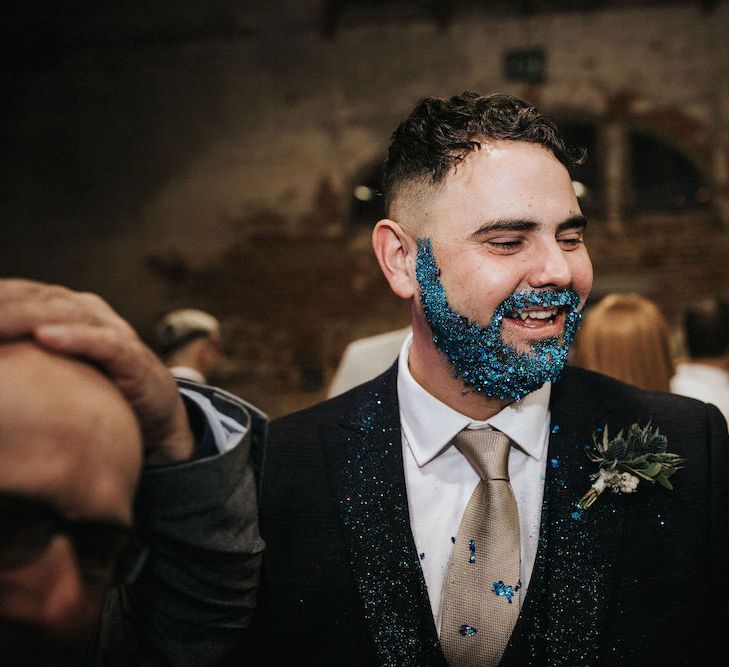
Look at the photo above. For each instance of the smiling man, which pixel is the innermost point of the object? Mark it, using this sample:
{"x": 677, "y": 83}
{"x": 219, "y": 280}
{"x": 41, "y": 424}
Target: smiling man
{"x": 435, "y": 515}
{"x": 507, "y": 231}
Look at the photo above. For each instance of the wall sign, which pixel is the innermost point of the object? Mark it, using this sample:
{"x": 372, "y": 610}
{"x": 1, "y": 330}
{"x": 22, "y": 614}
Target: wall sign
{"x": 528, "y": 65}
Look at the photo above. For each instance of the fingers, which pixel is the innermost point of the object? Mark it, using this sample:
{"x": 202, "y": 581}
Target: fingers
{"x": 25, "y": 305}
{"x": 120, "y": 353}
{"x": 144, "y": 381}
{"x": 84, "y": 325}
{"x": 130, "y": 364}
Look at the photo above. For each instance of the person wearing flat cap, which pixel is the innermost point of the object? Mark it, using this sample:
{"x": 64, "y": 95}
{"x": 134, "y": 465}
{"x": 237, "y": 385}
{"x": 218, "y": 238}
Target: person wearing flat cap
{"x": 189, "y": 343}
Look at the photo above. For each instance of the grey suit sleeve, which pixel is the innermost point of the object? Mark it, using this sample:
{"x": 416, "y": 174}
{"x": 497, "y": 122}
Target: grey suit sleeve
{"x": 197, "y": 592}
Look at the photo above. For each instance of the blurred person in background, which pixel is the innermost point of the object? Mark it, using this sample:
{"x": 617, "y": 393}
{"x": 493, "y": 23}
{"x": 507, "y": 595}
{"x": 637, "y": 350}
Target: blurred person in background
{"x": 705, "y": 375}
{"x": 365, "y": 358}
{"x": 189, "y": 342}
{"x": 626, "y": 337}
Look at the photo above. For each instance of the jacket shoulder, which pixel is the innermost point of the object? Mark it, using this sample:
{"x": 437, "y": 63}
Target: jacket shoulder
{"x": 330, "y": 412}
{"x": 579, "y": 389}
{"x": 584, "y": 385}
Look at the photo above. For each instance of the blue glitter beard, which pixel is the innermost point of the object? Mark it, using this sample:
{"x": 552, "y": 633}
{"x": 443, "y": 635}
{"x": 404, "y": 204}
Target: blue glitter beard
{"x": 478, "y": 354}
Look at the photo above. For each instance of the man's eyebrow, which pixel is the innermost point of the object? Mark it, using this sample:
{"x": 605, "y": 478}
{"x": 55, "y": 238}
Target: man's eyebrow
{"x": 575, "y": 222}
{"x": 518, "y": 225}
{"x": 505, "y": 226}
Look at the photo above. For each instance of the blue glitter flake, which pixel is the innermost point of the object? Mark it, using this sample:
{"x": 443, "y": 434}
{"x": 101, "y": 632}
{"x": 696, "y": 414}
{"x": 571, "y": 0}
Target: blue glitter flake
{"x": 555, "y": 462}
{"x": 472, "y": 551}
{"x": 555, "y": 428}
{"x": 478, "y": 353}
{"x": 467, "y": 631}
{"x": 502, "y": 590}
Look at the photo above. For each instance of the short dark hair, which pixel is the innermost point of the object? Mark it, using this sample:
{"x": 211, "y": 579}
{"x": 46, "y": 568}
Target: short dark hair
{"x": 707, "y": 328}
{"x": 440, "y": 132}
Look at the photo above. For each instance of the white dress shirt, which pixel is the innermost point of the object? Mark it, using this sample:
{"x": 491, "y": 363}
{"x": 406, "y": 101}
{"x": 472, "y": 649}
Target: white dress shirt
{"x": 704, "y": 382}
{"x": 225, "y": 430}
{"x": 440, "y": 481}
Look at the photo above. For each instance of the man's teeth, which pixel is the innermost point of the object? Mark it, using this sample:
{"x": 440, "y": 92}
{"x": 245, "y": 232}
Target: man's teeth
{"x": 535, "y": 314}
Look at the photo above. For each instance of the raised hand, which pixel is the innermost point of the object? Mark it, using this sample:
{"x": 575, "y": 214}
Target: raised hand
{"x": 84, "y": 325}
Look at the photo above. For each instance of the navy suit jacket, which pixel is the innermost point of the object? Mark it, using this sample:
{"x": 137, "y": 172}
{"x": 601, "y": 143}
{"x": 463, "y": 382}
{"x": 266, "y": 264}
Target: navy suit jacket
{"x": 637, "y": 578}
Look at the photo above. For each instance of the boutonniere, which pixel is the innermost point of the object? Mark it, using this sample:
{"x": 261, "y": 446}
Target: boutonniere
{"x": 627, "y": 458}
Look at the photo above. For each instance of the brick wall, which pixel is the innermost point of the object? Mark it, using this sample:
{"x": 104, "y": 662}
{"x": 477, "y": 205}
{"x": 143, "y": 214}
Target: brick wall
{"x": 168, "y": 156}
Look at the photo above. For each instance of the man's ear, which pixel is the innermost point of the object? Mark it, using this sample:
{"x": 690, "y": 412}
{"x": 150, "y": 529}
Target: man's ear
{"x": 395, "y": 252}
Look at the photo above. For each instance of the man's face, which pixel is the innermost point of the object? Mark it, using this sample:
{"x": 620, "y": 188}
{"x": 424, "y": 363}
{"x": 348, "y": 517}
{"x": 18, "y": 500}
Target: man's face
{"x": 69, "y": 445}
{"x": 508, "y": 222}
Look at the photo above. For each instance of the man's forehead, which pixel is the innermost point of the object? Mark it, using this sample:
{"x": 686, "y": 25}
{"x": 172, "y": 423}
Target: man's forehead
{"x": 64, "y": 473}
{"x": 68, "y": 435}
{"x": 482, "y": 200}
{"x": 488, "y": 155}
{"x": 492, "y": 156}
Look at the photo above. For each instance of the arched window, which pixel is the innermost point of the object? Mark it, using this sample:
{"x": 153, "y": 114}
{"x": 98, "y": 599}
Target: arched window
{"x": 663, "y": 178}
{"x": 654, "y": 175}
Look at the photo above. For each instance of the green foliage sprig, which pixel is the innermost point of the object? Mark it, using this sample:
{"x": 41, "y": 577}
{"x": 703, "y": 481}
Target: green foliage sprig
{"x": 639, "y": 454}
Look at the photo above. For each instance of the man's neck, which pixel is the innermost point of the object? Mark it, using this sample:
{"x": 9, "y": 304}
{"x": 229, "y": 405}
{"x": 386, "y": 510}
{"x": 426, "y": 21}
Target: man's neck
{"x": 431, "y": 370}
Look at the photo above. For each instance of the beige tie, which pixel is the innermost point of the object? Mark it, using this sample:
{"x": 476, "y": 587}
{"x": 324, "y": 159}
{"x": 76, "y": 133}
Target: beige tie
{"x": 481, "y": 596}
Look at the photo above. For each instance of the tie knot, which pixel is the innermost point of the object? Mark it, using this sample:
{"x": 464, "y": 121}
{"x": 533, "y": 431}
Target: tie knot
{"x": 487, "y": 451}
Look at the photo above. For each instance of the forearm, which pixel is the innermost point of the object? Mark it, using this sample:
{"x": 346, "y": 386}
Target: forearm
{"x": 197, "y": 592}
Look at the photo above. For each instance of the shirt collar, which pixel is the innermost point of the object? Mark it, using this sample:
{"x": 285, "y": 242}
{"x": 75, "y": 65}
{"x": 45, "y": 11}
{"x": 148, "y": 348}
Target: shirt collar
{"x": 429, "y": 424}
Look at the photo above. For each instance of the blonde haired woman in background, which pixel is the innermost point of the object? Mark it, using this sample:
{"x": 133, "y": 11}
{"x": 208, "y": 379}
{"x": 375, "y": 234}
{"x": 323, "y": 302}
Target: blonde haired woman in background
{"x": 626, "y": 336}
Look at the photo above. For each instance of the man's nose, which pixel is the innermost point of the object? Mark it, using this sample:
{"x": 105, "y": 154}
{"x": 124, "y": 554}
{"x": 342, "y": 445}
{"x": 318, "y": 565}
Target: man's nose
{"x": 63, "y": 597}
{"x": 48, "y": 593}
{"x": 551, "y": 267}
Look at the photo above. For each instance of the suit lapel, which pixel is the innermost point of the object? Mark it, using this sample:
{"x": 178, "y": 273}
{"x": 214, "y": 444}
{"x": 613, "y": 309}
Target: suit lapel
{"x": 567, "y": 600}
{"x": 367, "y": 475}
